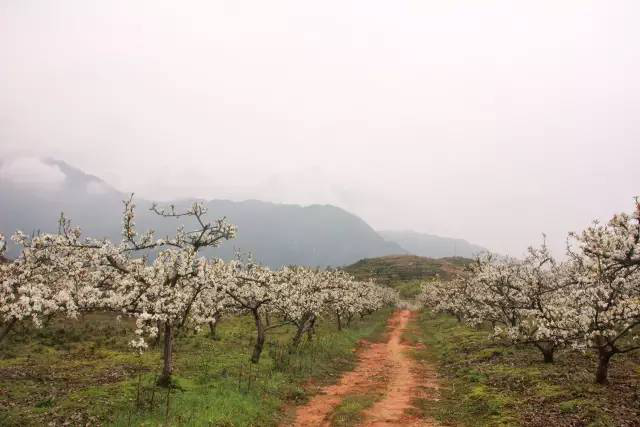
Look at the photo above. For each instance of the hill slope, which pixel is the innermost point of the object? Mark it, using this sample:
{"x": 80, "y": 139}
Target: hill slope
{"x": 392, "y": 268}
{"x": 428, "y": 245}
{"x": 33, "y": 194}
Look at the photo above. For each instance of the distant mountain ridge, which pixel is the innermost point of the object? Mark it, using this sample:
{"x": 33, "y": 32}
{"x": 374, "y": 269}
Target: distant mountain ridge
{"x": 276, "y": 234}
{"x": 428, "y": 245}
{"x": 34, "y": 191}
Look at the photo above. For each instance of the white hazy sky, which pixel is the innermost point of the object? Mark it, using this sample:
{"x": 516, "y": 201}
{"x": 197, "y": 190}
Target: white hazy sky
{"x": 494, "y": 121}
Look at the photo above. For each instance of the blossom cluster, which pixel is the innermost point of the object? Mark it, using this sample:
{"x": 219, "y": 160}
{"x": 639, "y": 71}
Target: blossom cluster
{"x": 589, "y": 301}
{"x": 165, "y": 283}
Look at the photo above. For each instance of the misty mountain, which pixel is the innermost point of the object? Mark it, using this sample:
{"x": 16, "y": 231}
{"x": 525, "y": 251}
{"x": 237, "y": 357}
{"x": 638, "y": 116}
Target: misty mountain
{"x": 34, "y": 192}
{"x": 427, "y": 245}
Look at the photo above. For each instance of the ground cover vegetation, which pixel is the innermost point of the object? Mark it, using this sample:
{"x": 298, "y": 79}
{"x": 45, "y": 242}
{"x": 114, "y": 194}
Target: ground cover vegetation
{"x": 108, "y": 310}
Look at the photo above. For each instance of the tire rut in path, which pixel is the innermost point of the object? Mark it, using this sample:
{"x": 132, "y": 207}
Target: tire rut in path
{"x": 383, "y": 367}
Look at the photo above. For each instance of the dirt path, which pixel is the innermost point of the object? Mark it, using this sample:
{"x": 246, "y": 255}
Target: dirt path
{"x": 383, "y": 367}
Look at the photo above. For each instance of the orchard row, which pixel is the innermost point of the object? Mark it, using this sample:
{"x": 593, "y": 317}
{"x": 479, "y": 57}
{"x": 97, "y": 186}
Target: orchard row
{"x": 168, "y": 286}
{"x": 590, "y": 301}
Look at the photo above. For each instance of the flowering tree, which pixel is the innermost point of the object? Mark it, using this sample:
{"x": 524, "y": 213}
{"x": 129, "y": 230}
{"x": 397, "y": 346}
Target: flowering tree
{"x": 166, "y": 290}
{"x": 253, "y": 288}
{"x": 54, "y": 273}
{"x": 537, "y": 302}
{"x": 341, "y": 297}
{"x": 348, "y": 297}
{"x": 299, "y": 296}
{"x": 592, "y": 301}
{"x": 214, "y": 302}
{"x": 604, "y": 307}
{"x": 618, "y": 241}
{"x": 520, "y": 299}
{"x": 371, "y": 297}
{"x": 302, "y": 299}
{"x": 451, "y": 297}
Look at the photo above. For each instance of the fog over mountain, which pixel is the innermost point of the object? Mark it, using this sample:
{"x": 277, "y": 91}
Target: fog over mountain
{"x": 494, "y": 121}
{"x": 34, "y": 191}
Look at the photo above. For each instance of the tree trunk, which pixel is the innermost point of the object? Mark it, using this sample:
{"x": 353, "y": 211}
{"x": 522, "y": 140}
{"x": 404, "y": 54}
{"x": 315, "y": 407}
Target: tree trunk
{"x": 339, "y": 321}
{"x": 547, "y": 351}
{"x": 295, "y": 342}
{"x": 311, "y": 329}
{"x": 156, "y": 343}
{"x": 213, "y": 330}
{"x": 7, "y": 329}
{"x": 602, "y": 374}
{"x": 167, "y": 369}
{"x": 257, "y": 349}
{"x": 304, "y": 326}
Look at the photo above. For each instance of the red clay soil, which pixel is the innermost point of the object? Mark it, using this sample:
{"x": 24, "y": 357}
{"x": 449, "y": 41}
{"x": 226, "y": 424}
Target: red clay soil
{"x": 382, "y": 367}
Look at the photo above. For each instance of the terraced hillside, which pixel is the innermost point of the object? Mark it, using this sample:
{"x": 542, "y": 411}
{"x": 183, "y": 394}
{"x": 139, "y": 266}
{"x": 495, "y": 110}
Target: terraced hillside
{"x": 394, "y": 268}
{"x": 406, "y": 273}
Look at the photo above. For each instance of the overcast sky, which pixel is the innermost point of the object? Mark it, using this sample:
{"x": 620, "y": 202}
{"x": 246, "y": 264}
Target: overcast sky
{"x": 494, "y": 121}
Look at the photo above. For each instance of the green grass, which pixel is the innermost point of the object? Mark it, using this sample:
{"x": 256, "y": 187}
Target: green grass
{"x": 350, "y": 411}
{"x": 486, "y": 384}
{"x": 84, "y": 373}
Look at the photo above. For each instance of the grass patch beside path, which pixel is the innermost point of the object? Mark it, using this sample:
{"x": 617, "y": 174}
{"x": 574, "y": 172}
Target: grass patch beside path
{"x": 486, "y": 384}
{"x": 350, "y": 411}
{"x": 83, "y": 373}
